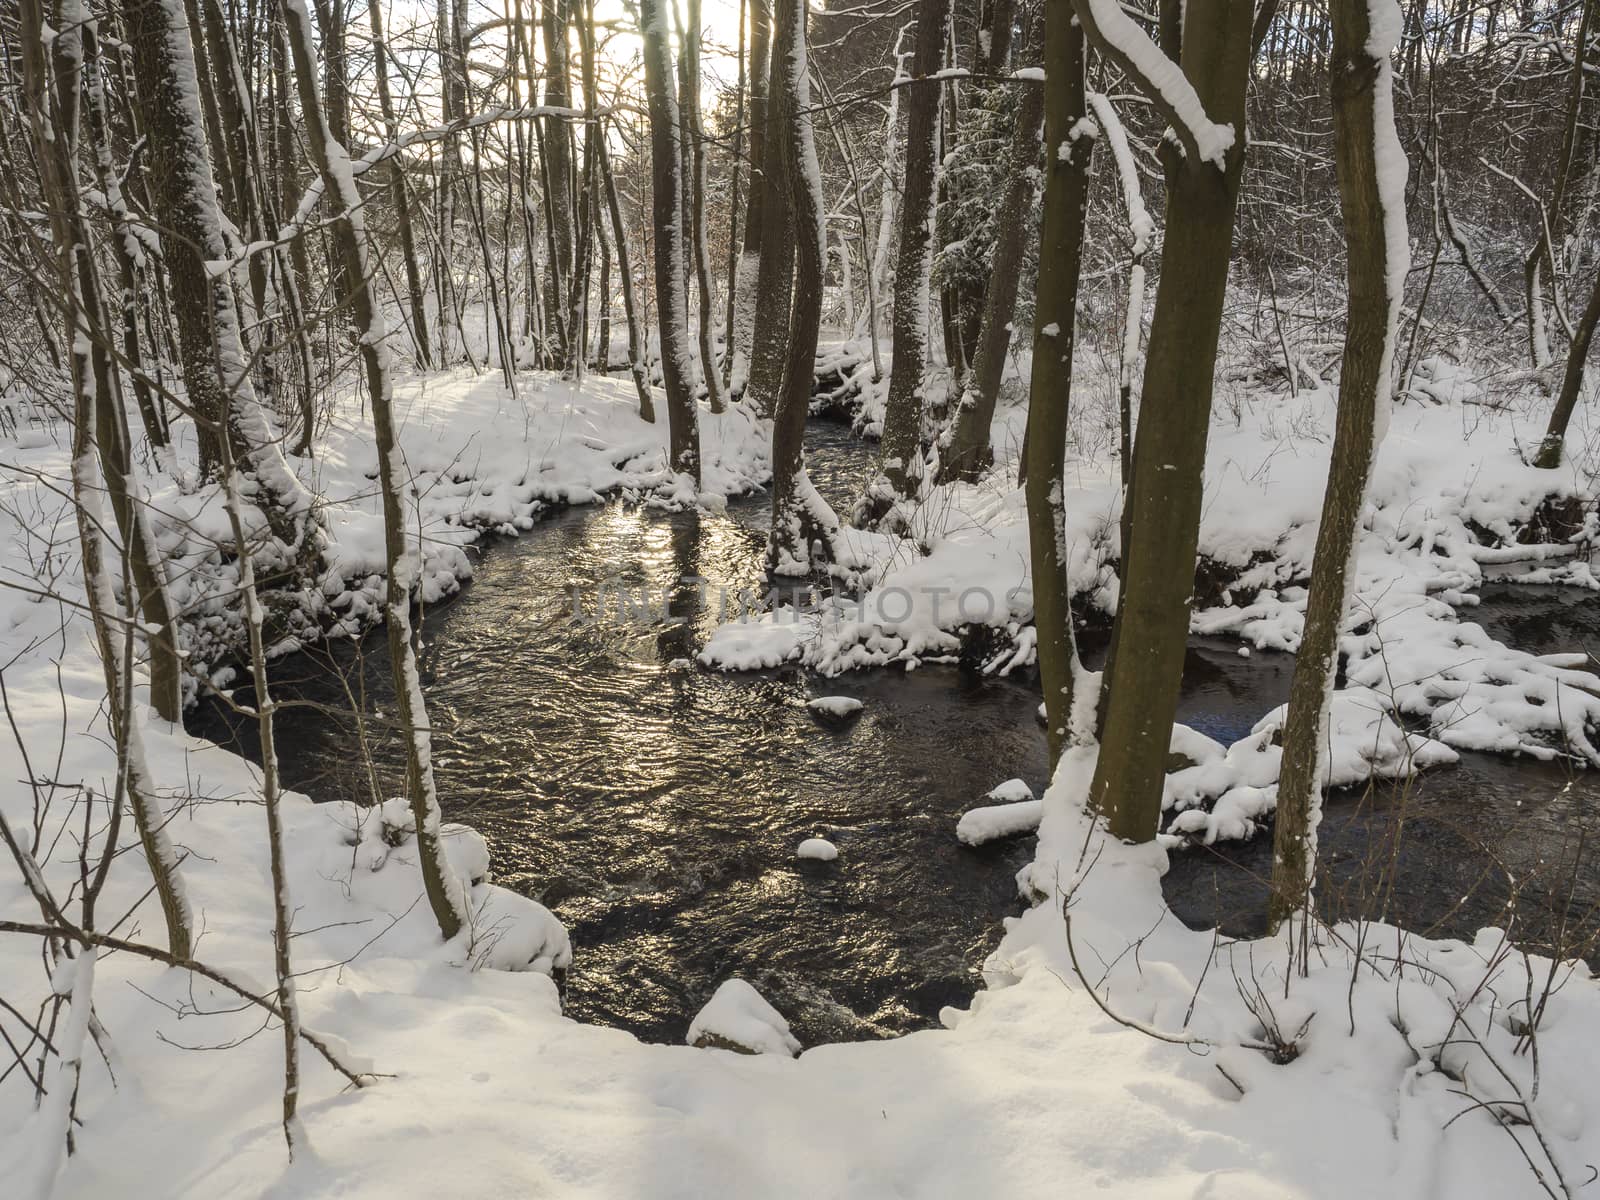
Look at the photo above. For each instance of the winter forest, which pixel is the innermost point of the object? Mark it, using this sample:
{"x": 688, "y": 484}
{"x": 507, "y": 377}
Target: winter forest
{"x": 816, "y": 598}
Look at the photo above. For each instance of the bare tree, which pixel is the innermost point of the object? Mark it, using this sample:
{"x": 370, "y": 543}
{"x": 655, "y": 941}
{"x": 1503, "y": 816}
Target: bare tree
{"x": 1372, "y": 180}
{"x": 446, "y": 894}
{"x": 900, "y": 470}
{"x": 672, "y": 299}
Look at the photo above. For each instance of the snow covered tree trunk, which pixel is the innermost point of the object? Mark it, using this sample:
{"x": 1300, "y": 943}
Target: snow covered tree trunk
{"x": 1054, "y": 335}
{"x": 695, "y": 131}
{"x": 215, "y": 366}
{"x": 1571, "y": 383}
{"x": 880, "y": 276}
{"x": 126, "y": 250}
{"x": 638, "y": 363}
{"x": 128, "y": 501}
{"x": 397, "y": 192}
{"x": 53, "y": 120}
{"x": 1372, "y": 182}
{"x": 968, "y": 453}
{"x": 900, "y": 469}
{"x": 446, "y": 894}
{"x": 1198, "y": 84}
{"x": 555, "y": 17}
{"x": 672, "y": 297}
{"x": 799, "y": 514}
{"x": 741, "y": 333}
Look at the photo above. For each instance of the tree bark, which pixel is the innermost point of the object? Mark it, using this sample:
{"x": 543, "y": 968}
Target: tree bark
{"x": 555, "y": 16}
{"x": 215, "y": 366}
{"x": 446, "y": 894}
{"x": 638, "y": 362}
{"x": 759, "y": 192}
{"x": 799, "y": 514}
{"x": 54, "y": 122}
{"x": 900, "y": 469}
{"x": 1372, "y": 200}
{"x": 969, "y": 453}
{"x": 397, "y": 193}
{"x": 1550, "y": 450}
{"x": 672, "y": 300}
{"x": 1050, "y": 387}
{"x": 1164, "y": 491}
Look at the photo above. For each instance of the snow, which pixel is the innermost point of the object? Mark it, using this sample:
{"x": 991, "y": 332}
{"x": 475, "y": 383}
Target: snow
{"x": 991, "y": 821}
{"x": 1448, "y": 498}
{"x": 820, "y": 849}
{"x": 738, "y": 1018}
{"x": 834, "y": 706}
{"x": 1162, "y": 78}
{"x": 1011, "y": 791}
{"x": 1404, "y": 1049}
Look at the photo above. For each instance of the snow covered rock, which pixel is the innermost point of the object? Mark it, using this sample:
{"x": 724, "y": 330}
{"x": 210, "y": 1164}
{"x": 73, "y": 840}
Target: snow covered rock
{"x": 1014, "y": 812}
{"x": 467, "y": 851}
{"x": 835, "y": 707}
{"x": 820, "y": 849}
{"x": 738, "y": 1018}
{"x": 991, "y": 821}
{"x": 511, "y": 932}
{"x": 1012, "y": 791}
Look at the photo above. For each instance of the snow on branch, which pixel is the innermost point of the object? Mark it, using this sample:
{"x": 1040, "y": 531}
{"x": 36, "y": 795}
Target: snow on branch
{"x": 1118, "y": 37}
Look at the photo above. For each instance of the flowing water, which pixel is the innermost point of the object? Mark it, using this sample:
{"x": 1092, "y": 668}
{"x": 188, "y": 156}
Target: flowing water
{"x": 656, "y": 808}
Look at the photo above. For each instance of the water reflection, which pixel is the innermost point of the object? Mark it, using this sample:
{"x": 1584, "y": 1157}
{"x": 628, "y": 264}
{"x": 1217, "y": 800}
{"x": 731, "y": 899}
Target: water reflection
{"x": 656, "y": 809}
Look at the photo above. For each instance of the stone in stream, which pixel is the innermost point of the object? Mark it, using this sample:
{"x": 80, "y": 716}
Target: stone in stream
{"x": 737, "y": 1018}
{"x": 834, "y": 709}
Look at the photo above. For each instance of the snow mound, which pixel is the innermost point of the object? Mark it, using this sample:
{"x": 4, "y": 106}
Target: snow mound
{"x": 820, "y": 849}
{"x": 835, "y": 706}
{"x": 1012, "y": 791}
{"x": 738, "y": 1018}
{"x": 511, "y": 932}
{"x": 467, "y": 851}
{"x": 991, "y": 821}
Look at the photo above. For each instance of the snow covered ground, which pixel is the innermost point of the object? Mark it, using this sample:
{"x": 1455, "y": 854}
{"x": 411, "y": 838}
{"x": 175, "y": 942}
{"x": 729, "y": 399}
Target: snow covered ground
{"x": 1408, "y": 1068}
{"x": 1452, "y": 504}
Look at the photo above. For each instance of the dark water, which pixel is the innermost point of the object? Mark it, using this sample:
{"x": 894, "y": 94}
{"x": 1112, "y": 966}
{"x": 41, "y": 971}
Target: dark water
{"x": 1491, "y": 840}
{"x": 656, "y": 809}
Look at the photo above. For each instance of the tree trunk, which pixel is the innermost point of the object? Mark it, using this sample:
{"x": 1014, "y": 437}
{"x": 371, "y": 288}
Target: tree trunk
{"x": 969, "y": 454}
{"x": 397, "y": 193}
{"x": 555, "y": 17}
{"x": 672, "y": 299}
{"x": 446, "y": 895}
{"x": 799, "y": 514}
{"x": 216, "y": 368}
{"x": 1050, "y": 387}
{"x": 774, "y": 274}
{"x": 1577, "y": 356}
{"x": 54, "y": 122}
{"x": 741, "y": 335}
{"x": 1371, "y": 169}
{"x": 638, "y": 362}
{"x": 900, "y": 471}
{"x": 695, "y": 131}
{"x": 1548, "y": 245}
{"x": 1164, "y": 491}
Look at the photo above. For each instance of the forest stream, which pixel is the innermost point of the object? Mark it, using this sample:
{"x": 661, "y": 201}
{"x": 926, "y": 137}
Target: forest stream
{"x": 656, "y": 807}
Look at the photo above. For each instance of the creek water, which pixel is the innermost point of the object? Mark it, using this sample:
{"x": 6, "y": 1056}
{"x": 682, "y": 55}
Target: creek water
{"x": 656, "y": 808}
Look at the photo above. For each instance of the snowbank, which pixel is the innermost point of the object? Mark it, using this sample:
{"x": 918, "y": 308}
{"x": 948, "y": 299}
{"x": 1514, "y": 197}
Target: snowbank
{"x": 1452, "y": 505}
